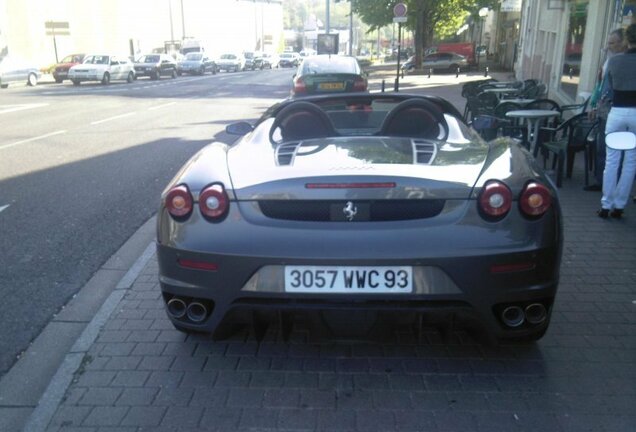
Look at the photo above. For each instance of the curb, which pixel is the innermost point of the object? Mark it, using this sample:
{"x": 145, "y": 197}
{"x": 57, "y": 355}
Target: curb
{"x": 32, "y": 389}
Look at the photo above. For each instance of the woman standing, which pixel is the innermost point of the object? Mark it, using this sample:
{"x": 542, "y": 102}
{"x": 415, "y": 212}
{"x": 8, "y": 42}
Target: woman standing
{"x": 622, "y": 117}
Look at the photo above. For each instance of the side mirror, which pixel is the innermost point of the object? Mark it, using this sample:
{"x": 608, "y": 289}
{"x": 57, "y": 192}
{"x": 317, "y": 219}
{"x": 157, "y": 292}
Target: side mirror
{"x": 239, "y": 128}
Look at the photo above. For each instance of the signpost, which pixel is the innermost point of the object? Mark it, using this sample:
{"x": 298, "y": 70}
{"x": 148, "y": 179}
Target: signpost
{"x": 399, "y": 16}
{"x": 56, "y": 28}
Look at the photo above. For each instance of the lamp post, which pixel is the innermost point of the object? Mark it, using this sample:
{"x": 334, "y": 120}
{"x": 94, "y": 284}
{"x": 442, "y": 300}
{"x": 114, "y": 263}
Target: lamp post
{"x": 483, "y": 13}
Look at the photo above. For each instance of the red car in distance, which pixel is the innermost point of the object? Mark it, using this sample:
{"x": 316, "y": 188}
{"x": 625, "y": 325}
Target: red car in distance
{"x": 60, "y": 71}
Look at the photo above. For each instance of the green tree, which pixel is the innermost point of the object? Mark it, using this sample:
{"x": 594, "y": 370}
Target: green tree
{"x": 427, "y": 18}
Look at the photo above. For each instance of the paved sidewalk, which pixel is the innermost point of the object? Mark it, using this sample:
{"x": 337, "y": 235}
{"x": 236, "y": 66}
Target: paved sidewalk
{"x": 131, "y": 371}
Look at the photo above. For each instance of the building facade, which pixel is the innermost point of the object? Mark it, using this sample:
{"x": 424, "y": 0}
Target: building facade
{"x": 41, "y": 30}
{"x": 562, "y": 42}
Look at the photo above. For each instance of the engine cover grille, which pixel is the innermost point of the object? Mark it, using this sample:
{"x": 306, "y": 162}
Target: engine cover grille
{"x": 352, "y": 211}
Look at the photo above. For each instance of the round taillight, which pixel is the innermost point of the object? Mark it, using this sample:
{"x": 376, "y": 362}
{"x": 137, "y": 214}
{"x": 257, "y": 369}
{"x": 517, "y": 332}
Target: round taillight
{"x": 535, "y": 199}
{"x": 179, "y": 201}
{"x": 299, "y": 86}
{"x": 213, "y": 201}
{"x": 495, "y": 199}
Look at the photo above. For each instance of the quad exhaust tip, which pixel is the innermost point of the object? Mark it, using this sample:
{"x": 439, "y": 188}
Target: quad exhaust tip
{"x": 513, "y": 316}
{"x": 536, "y": 313}
{"x": 177, "y": 308}
{"x": 196, "y": 312}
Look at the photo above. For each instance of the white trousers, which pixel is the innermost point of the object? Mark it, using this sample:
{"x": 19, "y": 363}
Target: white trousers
{"x": 616, "y": 189}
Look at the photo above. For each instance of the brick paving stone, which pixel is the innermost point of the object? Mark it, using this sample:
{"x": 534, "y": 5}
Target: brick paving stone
{"x": 254, "y": 418}
{"x": 297, "y": 419}
{"x": 143, "y": 416}
{"x": 165, "y": 379}
{"x": 353, "y": 400}
{"x": 406, "y": 382}
{"x": 442, "y": 382}
{"x": 310, "y": 398}
{"x": 395, "y": 400}
{"x": 245, "y": 397}
{"x": 71, "y": 416}
{"x": 341, "y": 420}
{"x": 117, "y": 349}
{"x": 415, "y": 421}
{"x": 375, "y": 420}
{"x": 179, "y": 397}
{"x": 143, "y": 396}
{"x": 131, "y": 378}
{"x": 100, "y": 396}
{"x": 105, "y": 416}
{"x": 272, "y": 379}
{"x": 180, "y": 417}
{"x": 283, "y": 398}
{"x": 198, "y": 379}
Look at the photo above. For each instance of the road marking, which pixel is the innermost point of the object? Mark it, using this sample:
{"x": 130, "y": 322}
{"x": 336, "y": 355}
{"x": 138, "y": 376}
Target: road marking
{"x": 19, "y": 107}
{"x": 113, "y": 118}
{"x": 32, "y": 139}
{"x": 4, "y": 207}
{"x": 161, "y": 106}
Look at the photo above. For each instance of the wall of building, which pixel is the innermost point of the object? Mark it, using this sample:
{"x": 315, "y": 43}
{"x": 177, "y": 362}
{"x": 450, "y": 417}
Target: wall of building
{"x": 548, "y": 47}
{"x": 115, "y": 25}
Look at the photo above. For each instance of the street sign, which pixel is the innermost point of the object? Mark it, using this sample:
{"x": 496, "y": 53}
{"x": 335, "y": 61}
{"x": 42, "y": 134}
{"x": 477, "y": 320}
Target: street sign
{"x": 401, "y": 19}
{"x": 399, "y": 10}
{"x": 57, "y": 28}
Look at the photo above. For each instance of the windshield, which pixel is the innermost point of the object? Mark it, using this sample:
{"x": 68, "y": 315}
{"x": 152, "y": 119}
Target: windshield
{"x": 228, "y": 57}
{"x": 149, "y": 59}
{"x": 193, "y": 56}
{"x": 96, "y": 59}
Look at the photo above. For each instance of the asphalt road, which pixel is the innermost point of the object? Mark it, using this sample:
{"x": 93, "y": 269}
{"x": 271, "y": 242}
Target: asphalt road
{"x": 82, "y": 168}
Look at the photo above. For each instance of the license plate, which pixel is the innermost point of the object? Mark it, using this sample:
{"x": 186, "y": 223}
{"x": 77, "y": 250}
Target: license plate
{"x": 331, "y": 86}
{"x": 350, "y": 279}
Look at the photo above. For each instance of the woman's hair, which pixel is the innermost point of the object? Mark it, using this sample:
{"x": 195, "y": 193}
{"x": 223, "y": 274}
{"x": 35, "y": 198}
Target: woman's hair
{"x": 619, "y": 33}
{"x": 630, "y": 33}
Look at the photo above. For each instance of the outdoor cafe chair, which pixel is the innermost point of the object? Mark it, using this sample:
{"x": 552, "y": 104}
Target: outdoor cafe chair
{"x": 490, "y": 127}
{"x": 564, "y": 141}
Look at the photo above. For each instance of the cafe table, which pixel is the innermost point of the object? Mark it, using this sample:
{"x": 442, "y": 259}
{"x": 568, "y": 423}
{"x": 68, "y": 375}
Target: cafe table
{"x": 533, "y": 118}
{"x": 502, "y": 91}
{"x": 519, "y": 101}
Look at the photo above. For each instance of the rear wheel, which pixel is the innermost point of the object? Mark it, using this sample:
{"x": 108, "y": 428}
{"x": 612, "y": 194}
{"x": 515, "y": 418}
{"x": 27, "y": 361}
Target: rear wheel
{"x": 131, "y": 77}
{"x": 76, "y": 82}
{"x": 173, "y": 74}
{"x": 106, "y": 78}
{"x": 32, "y": 80}
{"x": 59, "y": 80}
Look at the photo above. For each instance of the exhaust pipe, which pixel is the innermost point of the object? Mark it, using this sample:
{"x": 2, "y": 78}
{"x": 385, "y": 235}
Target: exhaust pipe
{"x": 536, "y": 313}
{"x": 176, "y": 308}
{"x": 512, "y": 316}
{"x": 197, "y": 312}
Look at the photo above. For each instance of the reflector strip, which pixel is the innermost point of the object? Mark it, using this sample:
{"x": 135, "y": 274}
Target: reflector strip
{"x": 350, "y": 185}
{"x": 198, "y": 265}
{"x": 510, "y": 268}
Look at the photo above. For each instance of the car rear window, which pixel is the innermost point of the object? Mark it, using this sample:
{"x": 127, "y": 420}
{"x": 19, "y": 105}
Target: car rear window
{"x": 334, "y": 64}
{"x": 193, "y": 56}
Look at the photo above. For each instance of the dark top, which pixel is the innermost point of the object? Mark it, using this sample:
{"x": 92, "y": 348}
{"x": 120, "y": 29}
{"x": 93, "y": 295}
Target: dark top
{"x": 623, "y": 79}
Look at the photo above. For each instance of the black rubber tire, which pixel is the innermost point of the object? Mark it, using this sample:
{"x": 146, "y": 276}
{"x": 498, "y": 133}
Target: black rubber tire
{"x": 130, "y": 78}
{"x": 106, "y": 78}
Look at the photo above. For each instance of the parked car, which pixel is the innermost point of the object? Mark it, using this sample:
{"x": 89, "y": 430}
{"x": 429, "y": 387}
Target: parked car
{"x": 288, "y": 59}
{"x": 438, "y": 61}
{"x": 250, "y": 60}
{"x": 327, "y": 73}
{"x": 375, "y": 203}
{"x": 269, "y": 60}
{"x": 102, "y": 67}
{"x": 60, "y": 70}
{"x": 196, "y": 63}
{"x": 155, "y": 66}
{"x": 16, "y": 70}
{"x": 231, "y": 62}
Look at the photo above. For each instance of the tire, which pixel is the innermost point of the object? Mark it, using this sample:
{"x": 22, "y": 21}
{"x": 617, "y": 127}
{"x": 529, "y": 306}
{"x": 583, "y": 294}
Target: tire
{"x": 4, "y": 85}
{"x": 214, "y": 70}
{"x": 173, "y": 75}
{"x": 32, "y": 80}
{"x": 106, "y": 78}
{"x": 154, "y": 76}
{"x": 59, "y": 80}
{"x": 453, "y": 68}
{"x": 131, "y": 77}
{"x": 202, "y": 71}
{"x": 76, "y": 82}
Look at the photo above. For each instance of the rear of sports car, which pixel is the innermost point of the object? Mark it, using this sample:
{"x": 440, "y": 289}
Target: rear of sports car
{"x": 423, "y": 230}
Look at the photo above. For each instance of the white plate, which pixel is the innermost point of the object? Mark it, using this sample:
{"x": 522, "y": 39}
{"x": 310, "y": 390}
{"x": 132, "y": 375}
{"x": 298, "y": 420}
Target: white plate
{"x": 348, "y": 279}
